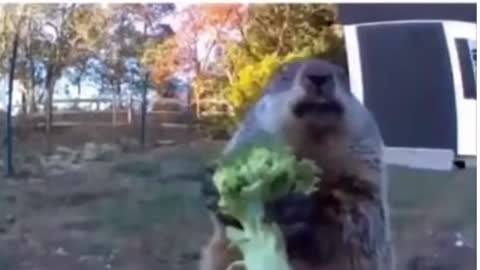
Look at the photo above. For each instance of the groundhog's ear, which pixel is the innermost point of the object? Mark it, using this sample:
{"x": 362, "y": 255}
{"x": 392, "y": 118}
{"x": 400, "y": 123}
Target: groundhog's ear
{"x": 320, "y": 85}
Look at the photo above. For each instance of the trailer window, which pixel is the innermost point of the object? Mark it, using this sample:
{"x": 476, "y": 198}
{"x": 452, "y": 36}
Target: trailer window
{"x": 467, "y": 53}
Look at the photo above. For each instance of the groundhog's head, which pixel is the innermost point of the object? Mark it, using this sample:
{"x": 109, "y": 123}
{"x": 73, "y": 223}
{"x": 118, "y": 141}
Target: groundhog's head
{"x": 311, "y": 95}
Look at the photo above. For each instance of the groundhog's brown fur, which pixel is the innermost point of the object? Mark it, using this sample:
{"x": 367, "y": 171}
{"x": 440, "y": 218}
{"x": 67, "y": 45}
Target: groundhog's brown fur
{"x": 309, "y": 106}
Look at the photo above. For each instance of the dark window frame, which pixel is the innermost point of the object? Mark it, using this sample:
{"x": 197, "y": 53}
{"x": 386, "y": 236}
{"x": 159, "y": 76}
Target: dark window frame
{"x": 469, "y": 79}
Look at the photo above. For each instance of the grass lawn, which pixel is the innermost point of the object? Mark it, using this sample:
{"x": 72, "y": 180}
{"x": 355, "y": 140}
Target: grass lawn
{"x": 145, "y": 212}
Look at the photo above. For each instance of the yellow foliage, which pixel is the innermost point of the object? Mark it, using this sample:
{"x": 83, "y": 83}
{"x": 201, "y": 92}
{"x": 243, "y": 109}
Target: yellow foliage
{"x": 209, "y": 94}
{"x": 163, "y": 59}
{"x": 213, "y": 109}
{"x": 248, "y": 86}
{"x": 276, "y": 35}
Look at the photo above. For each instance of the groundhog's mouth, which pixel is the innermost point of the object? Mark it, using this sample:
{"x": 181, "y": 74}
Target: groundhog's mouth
{"x": 318, "y": 118}
{"x": 308, "y": 109}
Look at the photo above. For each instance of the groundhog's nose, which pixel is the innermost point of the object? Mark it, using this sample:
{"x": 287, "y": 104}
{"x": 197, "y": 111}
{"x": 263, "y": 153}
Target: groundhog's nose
{"x": 319, "y": 86}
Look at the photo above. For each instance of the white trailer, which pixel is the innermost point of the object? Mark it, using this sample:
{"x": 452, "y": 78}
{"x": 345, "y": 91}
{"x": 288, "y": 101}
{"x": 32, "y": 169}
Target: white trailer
{"x": 418, "y": 78}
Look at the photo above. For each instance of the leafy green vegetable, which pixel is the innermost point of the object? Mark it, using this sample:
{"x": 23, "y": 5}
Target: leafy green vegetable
{"x": 246, "y": 182}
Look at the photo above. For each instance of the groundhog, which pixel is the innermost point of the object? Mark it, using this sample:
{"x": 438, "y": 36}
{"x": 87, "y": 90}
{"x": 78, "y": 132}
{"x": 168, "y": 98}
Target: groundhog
{"x": 345, "y": 224}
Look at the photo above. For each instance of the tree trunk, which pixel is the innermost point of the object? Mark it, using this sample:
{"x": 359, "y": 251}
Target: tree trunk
{"x": 24, "y": 103}
{"x": 130, "y": 109}
{"x": 41, "y": 98}
{"x": 50, "y": 85}
{"x": 79, "y": 89}
{"x": 195, "y": 90}
{"x": 31, "y": 102}
{"x": 116, "y": 102}
{"x": 144, "y": 112}
{"x": 9, "y": 129}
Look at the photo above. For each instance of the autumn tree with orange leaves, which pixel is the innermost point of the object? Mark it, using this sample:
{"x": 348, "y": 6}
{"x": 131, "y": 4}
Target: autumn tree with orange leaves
{"x": 181, "y": 52}
{"x": 255, "y": 39}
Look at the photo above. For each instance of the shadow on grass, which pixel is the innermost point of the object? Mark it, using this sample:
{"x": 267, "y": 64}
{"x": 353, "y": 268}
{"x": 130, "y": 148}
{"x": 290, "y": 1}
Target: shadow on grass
{"x": 429, "y": 208}
{"x": 447, "y": 197}
{"x": 172, "y": 169}
{"x": 164, "y": 191}
{"x": 8, "y": 262}
{"x": 159, "y": 204}
{"x": 138, "y": 168}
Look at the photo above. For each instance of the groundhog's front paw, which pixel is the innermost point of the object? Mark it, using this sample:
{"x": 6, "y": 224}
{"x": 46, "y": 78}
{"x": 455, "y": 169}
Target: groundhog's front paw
{"x": 292, "y": 209}
{"x": 295, "y": 216}
{"x": 209, "y": 191}
{"x": 211, "y": 196}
